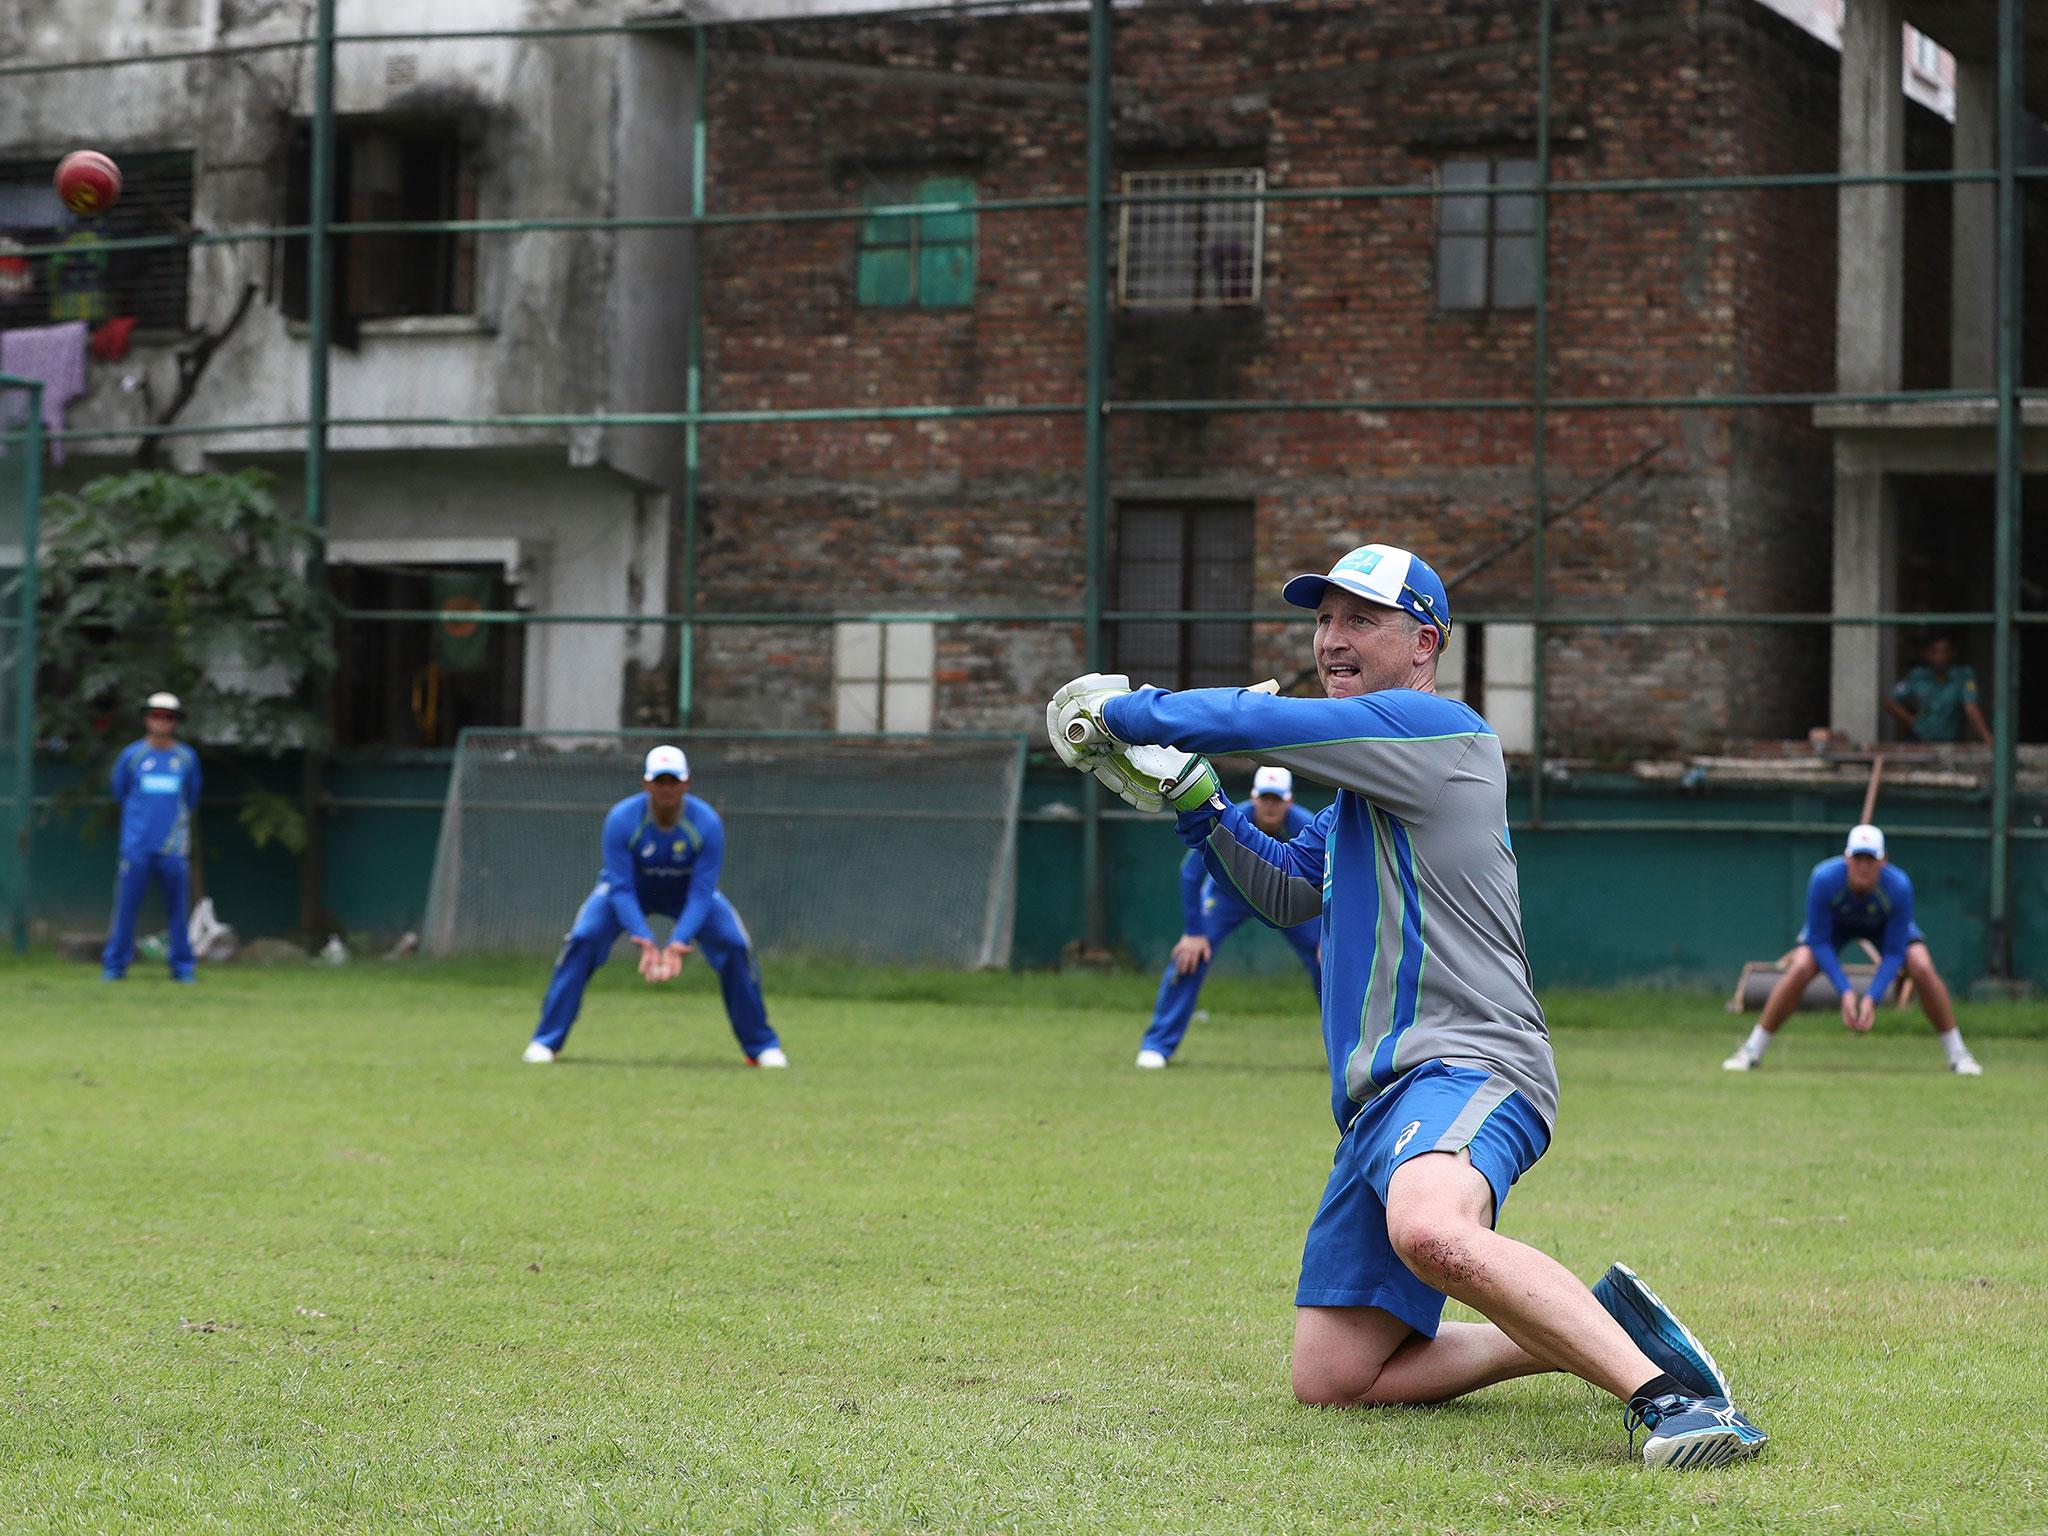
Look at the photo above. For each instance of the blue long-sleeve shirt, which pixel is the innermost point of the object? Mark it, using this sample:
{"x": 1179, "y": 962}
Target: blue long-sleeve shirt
{"x": 1198, "y": 887}
{"x": 672, "y": 871}
{"x": 1836, "y": 915}
{"x": 157, "y": 789}
{"x": 1410, "y": 870}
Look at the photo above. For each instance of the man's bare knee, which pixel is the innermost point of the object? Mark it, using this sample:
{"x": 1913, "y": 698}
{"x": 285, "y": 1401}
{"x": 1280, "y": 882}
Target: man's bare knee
{"x": 1435, "y": 1244}
{"x": 1317, "y": 1386}
{"x": 1803, "y": 967}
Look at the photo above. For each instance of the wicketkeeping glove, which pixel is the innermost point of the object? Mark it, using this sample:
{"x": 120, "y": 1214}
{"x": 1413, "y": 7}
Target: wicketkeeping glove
{"x": 1074, "y": 719}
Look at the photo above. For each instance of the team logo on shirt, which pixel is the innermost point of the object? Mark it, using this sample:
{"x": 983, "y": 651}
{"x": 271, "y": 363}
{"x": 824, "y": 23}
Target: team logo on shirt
{"x": 676, "y": 848}
{"x": 1408, "y": 1132}
{"x": 647, "y": 852}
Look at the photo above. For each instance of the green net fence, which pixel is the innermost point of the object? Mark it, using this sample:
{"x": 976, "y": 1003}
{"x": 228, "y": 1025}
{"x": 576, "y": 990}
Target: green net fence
{"x": 896, "y": 851}
{"x": 21, "y": 447}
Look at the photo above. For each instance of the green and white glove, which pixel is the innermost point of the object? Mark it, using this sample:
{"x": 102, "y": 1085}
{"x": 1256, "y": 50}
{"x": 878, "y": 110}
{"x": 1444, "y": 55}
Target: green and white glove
{"x": 1074, "y": 719}
{"x": 1160, "y": 779}
{"x": 1195, "y": 787}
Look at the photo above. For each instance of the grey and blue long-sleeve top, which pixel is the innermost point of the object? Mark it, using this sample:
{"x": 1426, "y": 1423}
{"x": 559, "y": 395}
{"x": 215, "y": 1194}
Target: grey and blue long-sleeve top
{"x": 1197, "y": 885}
{"x": 1411, "y": 870}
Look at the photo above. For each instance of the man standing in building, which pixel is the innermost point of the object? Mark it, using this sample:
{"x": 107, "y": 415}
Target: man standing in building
{"x": 1933, "y": 701}
{"x": 1859, "y": 896}
{"x": 1211, "y": 913}
{"x": 156, "y": 785}
{"x": 1441, "y": 1073}
{"x": 663, "y": 850}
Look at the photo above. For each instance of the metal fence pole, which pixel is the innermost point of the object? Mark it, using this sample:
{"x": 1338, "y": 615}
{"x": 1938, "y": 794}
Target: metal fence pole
{"x": 2005, "y": 563}
{"x": 1095, "y": 428}
{"x": 1539, "y": 480}
{"x": 31, "y": 450}
{"x": 693, "y": 400}
{"x": 319, "y": 317}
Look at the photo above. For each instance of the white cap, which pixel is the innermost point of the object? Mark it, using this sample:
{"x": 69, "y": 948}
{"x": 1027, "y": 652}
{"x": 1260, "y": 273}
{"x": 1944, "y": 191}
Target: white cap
{"x": 666, "y": 760}
{"x": 164, "y": 701}
{"x": 1273, "y": 781}
{"x": 1864, "y": 838}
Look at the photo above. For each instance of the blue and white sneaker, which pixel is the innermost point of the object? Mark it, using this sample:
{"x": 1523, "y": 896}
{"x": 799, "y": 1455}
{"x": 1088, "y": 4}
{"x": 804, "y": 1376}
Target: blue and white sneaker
{"x": 1693, "y": 1433}
{"x": 1657, "y": 1332}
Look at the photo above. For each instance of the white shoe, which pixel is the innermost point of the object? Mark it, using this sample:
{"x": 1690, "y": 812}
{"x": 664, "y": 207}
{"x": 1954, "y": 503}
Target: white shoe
{"x": 772, "y": 1057}
{"x": 1151, "y": 1061}
{"x": 538, "y": 1054}
{"x": 1741, "y": 1061}
{"x": 1965, "y": 1065}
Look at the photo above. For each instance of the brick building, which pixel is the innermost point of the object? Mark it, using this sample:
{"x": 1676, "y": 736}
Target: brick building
{"x": 1660, "y": 294}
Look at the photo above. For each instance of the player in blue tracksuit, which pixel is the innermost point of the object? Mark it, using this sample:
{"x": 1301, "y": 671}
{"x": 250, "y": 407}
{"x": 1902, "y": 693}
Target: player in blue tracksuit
{"x": 1441, "y": 1074}
{"x": 663, "y": 850}
{"x": 1211, "y": 913}
{"x": 1859, "y": 896}
{"x": 155, "y": 782}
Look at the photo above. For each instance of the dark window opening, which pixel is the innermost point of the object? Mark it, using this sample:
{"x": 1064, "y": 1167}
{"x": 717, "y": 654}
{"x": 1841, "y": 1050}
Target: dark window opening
{"x": 1193, "y": 559}
{"x": 387, "y": 171}
{"x": 83, "y": 282}
{"x": 1486, "y": 242}
{"x": 411, "y": 683}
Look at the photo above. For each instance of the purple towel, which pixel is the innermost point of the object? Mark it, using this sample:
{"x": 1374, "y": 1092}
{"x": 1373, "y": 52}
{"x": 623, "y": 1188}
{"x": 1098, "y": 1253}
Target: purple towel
{"x": 54, "y": 354}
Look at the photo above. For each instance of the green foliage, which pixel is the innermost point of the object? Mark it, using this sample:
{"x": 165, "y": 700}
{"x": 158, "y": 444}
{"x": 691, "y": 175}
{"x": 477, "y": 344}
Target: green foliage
{"x": 191, "y": 583}
{"x": 308, "y": 1250}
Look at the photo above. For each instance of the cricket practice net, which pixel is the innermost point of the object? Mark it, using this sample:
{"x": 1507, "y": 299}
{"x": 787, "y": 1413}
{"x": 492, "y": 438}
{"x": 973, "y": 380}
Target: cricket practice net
{"x": 883, "y": 850}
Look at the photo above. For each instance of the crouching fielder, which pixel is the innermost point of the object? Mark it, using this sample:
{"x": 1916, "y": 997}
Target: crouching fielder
{"x": 1441, "y": 1072}
{"x": 663, "y": 849}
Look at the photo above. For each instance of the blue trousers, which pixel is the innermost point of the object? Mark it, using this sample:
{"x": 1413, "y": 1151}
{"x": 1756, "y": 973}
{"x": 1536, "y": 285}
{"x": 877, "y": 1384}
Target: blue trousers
{"x": 722, "y": 941}
{"x": 173, "y": 875}
{"x": 1177, "y": 993}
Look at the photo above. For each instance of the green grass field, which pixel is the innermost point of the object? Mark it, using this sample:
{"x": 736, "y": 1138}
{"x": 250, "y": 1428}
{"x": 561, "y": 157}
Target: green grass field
{"x": 313, "y": 1251}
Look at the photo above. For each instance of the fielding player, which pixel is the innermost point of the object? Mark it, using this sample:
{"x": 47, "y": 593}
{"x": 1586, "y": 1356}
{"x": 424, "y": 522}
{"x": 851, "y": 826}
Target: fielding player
{"x": 1859, "y": 896}
{"x": 156, "y": 785}
{"x": 663, "y": 849}
{"x": 1441, "y": 1071}
{"x": 1211, "y": 913}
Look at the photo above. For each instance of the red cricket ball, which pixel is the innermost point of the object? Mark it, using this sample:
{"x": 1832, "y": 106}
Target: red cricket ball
{"x": 88, "y": 181}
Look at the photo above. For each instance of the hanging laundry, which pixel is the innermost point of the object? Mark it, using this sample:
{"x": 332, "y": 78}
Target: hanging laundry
{"x": 55, "y": 354}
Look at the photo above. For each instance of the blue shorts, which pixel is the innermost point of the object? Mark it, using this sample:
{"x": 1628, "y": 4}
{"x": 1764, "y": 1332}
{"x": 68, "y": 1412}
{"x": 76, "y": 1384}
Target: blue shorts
{"x": 1348, "y": 1260}
{"x": 1842, "y": 940}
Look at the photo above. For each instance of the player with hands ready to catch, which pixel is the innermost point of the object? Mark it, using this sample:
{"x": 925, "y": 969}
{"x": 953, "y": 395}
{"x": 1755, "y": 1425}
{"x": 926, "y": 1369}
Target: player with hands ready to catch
{"x": 663, "y": 851}
{"x": 1441, "y": 1073}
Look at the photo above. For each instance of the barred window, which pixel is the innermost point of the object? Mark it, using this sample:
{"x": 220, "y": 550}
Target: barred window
{"x": 1486, "y": 243}
{"x": 82, "y": 282}
{"x": 1198, "y": 254}
{"x": 1195, "y": 559}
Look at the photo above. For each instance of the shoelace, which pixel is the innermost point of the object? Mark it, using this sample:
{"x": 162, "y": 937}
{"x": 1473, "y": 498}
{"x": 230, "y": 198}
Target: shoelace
{"x": 1653, "y": 1413}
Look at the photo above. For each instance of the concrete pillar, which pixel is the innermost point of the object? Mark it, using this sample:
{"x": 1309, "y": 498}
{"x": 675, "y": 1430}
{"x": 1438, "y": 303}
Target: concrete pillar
{"x": 1871, "y": 247}
{"x": 1973, "y": 306}
{"x": 1866, "y": 581}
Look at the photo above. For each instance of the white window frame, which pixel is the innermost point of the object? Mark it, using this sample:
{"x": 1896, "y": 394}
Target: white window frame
{"x": 883, "y": 677}
{"x": 1134, "y": 286}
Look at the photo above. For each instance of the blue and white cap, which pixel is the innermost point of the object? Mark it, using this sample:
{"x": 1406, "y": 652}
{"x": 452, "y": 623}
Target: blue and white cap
{"x": 1864, "y": 838}
{"x": 1383, "y": 574}
{"x": 1273, "y": 780}
{"x": 669, "y": 761}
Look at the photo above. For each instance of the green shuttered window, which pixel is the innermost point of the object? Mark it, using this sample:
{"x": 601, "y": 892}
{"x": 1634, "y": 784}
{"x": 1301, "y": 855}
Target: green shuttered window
{"x": 922, "y": 260}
